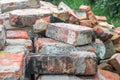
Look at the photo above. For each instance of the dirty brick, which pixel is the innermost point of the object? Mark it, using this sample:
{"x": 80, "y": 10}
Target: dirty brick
{"x": 101, "y": 18}
{"x": 115, "y": 62}
{"x": 77, "y": 63}
{"x": 11, "y": 66}
{"x": 50, "y": 46}
{"x": 107, "y": 75}
{"x": 15, "y": 49}
{"x": 70, "y": 33}
{"x": 86, "y": 23}
{"x": 104, "y": 50}
{"x": 102, "y": 33}
{"x": 22, "y": 42}
{"x": 27, "y": 17}
{"x": 2, "y": 36}
{"x": 17, "y": 34}
{"x": 9, "y": 5}
{"x": 41, "y": 25}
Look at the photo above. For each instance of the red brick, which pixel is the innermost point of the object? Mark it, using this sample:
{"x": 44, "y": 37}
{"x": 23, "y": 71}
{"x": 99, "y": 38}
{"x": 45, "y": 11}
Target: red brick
{"x": 115, "y": 61}
{"x": 64, "y": 7}
{"x": 24, "y": 17}
{"x": 101, "y": 18}
{"x": 92, "y": 17}
{"x": 41, "y": 25}
{"x": 15, "y": 4}
{"x": 11, "y": 65}
{"x": 50, "y": 46}
{"x": 86, "y": 23}
{"x": 116, "y": 38}
{"x": 69, "y": 33}
{"x": 107, "y": 75}
{"x": 77, "y": 63}
{"x": 117, "y": 47}
{"x": 103, "y": 33}
{"x": 117, "y": 30}
{"x": 105, "y": 66}
{"x": 23, "y": 42}
{"x": 17, "y": 34}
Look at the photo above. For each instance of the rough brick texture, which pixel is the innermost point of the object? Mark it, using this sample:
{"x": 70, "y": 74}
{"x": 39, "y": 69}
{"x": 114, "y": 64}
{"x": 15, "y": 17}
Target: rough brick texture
{"x": 41, "y": 25}
{"x": 115, "y": 62}
{"x": 17, "y": 34}
{"x": 50, "y": 46}
{"x": 77, "y": 63}
{"x": 11, "y": 66}
{"x": 69, "y": 33}
{"x": 9, "y": 5}
{"x": 27, "y": 17}
{"x": 22, "y": 42}
{"x": 16, "y": 49}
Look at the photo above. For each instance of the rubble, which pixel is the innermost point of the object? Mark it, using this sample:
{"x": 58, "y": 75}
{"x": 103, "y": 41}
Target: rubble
{"x": 22, "y": 18}
{"x": 42, "y": 41}
{"x": 9, "y": 5}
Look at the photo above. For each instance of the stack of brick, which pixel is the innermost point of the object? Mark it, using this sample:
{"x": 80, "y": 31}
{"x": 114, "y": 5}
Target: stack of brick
{"x": 43, "y": 42}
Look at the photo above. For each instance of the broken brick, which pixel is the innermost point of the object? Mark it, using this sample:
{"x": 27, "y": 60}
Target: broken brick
{"x": 69, "y": 33}
{"x": 86, "y": 23}
{"x": 115, "y": 61}
{"x": 101, "y": 18}
{"x": 15, "y": 4}
{"x": 92, "y": 17}
{"x": 24, "y": 17}
{"x": 84, "y": 7}
{"x": 107, "y": 75}
{"x": 41, "y": 25}
{"x": 103, "y": 33}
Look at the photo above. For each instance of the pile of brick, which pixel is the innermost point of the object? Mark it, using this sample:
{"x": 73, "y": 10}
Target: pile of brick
{"x": 42, "y": 41}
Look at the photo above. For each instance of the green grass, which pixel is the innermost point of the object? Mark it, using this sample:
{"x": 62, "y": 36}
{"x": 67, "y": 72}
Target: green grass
{"x": 96, "y": 8}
